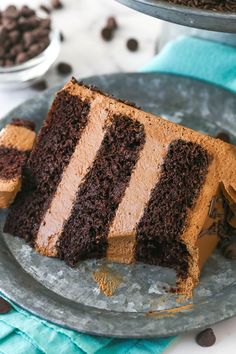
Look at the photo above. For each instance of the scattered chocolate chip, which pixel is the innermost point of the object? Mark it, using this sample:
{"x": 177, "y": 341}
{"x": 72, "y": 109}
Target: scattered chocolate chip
{"x": 224, "y": 136}
{"x": 206, "y": 338}
{"x": 107, "y": 34}
{"x": 132, "y": 44}
{"x": 40, "y": 85}
{"x": 64, "y": 68}
{"x": 5, "y": 307}
{"x": 62, "y": 37}
{"x": 45, "y": 9}
{"x": 57, "y": 4}
{"x": 229, "y": 249}
{"x": 111, "y": 23}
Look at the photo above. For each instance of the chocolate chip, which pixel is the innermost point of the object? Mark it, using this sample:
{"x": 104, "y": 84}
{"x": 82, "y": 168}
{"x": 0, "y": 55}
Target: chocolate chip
{"x": 21, "y": 58}
{"x": 62, "y": 37}
{"x": 224, "y": 136}
{"x": 45, "y": 23}
{"x": 9, "y": 24}
{"x": 14, "y": 36}
{"x": 111, "y": 23}
{"x": 206, "y": 338}
{"x": 45, "y": 9}
{"x": 11, "y": 12}
{"x": 64, "y": 68}
{"x": 107, "y": 34}
{"x": 40, "y": 85}
{"x": 25, "y": 11}
{"x": 34, "y": 50}
{"x": 229, "y": 250}
{"x": 5, "y": 307}
{"x": 8, "y": 63}
{"x": 57, "y": 4}
{"x": 3, "y": 34}
{"x": 18, "y": 48}
{"x": 28, "y": 39}
{"x": 20, "y": 30}
{"x": 132, "y": 44}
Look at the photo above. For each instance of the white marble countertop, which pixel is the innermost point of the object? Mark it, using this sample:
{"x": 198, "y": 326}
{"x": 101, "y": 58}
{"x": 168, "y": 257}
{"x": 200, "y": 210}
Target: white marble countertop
{"x": 81, "y": 22}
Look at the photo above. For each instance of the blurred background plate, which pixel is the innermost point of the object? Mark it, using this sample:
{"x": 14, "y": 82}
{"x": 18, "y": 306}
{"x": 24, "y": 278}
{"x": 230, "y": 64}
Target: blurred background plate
{"x": 140, "y": 306}
{"x": 186, "y": 16}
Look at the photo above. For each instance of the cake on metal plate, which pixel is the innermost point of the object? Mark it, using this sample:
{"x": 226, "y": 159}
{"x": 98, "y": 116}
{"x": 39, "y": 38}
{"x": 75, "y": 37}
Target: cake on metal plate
{"x": 107, "y": 180}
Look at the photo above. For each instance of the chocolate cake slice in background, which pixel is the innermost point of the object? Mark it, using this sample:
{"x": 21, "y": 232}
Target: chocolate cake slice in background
{"x": 16, "y": 142}
{"x": 106, "y": 179}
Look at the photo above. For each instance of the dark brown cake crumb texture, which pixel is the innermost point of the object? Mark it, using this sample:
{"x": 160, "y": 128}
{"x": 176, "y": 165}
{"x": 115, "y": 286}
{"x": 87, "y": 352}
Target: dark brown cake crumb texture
{"x": 85, "y": 233}
{"x": 12, "y": 162}
{"x": 159, "y": 230}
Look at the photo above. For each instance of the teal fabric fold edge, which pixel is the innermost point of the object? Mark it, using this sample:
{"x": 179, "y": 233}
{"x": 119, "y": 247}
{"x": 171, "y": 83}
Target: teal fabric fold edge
{"x": 197, "y": 58}
{"x": 22, "y": 332}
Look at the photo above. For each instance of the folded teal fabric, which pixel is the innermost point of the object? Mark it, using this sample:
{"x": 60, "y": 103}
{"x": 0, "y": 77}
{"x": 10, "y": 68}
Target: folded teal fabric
{"x": 23, "y": 333}
{"x": 197, "y": 58}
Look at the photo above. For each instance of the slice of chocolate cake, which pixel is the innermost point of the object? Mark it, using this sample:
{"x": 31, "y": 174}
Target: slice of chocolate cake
{"x": 16, "y": 142}
{"x": 106, "y": 179}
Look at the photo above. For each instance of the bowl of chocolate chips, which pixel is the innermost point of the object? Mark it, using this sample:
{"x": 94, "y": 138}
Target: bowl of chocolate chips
{"x": 28, "y": 45}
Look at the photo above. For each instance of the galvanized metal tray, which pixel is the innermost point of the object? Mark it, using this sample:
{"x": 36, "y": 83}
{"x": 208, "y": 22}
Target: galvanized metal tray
{"x": 140, "y": 306}
{"x": 186, "y": 16}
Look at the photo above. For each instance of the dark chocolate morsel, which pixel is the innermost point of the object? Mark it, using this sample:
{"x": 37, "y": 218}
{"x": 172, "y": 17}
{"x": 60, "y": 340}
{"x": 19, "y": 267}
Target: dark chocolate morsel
{"x": 64, "y": 68}
{"x": 132, "y": 44}
{"x": 5, "y": 307}
{"x": 107, "y": 34}
{"x": 111, "y": 23}
{"x": 206, "y": 338}
{"x": 40, "y": 85}
{"x": 224, "y": 136}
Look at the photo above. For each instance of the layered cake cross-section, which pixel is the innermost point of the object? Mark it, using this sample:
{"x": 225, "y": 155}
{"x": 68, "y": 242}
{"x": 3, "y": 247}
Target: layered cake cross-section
{"x": 107, "y": 180}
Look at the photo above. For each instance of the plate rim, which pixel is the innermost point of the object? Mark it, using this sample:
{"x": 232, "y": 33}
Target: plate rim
{"x": 167, "y": 10}
{"x": 154, "y": 324}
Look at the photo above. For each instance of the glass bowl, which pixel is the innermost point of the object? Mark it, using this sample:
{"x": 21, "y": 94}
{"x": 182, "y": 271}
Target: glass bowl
{"x": 33, "y": 69}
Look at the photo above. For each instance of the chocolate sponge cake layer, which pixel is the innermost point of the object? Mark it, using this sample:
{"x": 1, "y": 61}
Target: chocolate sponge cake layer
{"x": 159, "y": 231}
{"x": 85, "y": 232}
{"x": 54, "y": 146}
{"x": 11, "y": 162}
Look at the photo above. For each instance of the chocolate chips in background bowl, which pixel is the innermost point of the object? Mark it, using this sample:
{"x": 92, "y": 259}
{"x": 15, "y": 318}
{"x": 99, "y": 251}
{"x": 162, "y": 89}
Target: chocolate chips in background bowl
{"x": 23, "y": 35}
{"x": 29, "y": 45}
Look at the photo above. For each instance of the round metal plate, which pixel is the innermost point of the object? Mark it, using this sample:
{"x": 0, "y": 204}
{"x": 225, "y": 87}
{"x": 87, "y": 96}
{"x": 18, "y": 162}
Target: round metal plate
{"x": 70, "y": 297}
{"x": 186, "y": 16}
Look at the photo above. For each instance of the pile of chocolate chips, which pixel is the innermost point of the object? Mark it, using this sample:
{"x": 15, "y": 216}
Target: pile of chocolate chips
{"x": 215, "y": 5}
{"x": 23, "y": 35}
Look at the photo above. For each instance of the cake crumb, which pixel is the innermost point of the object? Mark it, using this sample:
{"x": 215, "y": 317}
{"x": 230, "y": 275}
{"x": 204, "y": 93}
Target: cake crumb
{"x": 107, "y": 279}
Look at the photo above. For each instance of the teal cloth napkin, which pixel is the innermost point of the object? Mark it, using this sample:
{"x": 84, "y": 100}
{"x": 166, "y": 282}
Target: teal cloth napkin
{"x": 197, "y": 58}
{"x": 23, "y": 333}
